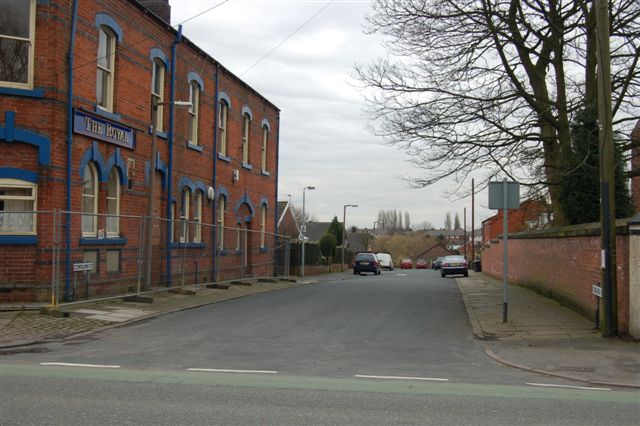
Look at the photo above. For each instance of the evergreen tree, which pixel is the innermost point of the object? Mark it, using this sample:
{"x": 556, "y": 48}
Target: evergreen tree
{"x": 336, "y": 229}
{"x": 447, "y": 221}
{"x": 579, "y": 193}
{"x": 456, "y": 222}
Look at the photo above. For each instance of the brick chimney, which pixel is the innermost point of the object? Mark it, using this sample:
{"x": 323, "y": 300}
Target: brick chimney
{"x": 160, "y": 8}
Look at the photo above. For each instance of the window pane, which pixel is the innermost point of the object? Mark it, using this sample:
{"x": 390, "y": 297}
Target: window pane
{"x": 104, "y": 55}
{"x": 14, "y": 60}
{"x": 91, "y": 256}
{"x": 14, "y": 18}
{"x": 113, "y": 261}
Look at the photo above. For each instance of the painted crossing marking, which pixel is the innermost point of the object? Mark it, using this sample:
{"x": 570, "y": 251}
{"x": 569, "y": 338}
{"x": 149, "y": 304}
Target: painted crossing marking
{"x": 549, "y": 385}
{"x": 429, "y": 379}
{"x": 218, "y": 370}
{"x": 69, "y": 364}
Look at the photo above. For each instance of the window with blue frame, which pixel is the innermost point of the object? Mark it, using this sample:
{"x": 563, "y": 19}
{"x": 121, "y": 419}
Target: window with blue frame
{"x": 17, "y": 40}
{"x": 17, "y": 207}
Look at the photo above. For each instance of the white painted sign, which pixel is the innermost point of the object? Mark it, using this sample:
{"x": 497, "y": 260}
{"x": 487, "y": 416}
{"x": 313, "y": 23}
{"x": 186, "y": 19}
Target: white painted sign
{"x": 597, "y": 290}
{"x": 78, "y": 267}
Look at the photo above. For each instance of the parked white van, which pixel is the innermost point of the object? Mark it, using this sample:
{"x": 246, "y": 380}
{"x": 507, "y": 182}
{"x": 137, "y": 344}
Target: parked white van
{"x": 386, "y": 261}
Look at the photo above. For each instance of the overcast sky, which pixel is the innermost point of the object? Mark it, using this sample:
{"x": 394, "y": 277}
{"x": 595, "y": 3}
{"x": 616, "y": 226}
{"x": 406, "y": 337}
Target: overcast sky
{"x": 324, "y": 141}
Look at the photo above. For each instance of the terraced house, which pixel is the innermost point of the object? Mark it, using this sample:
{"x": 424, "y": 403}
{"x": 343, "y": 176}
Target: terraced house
{"x": 85, "y": 156}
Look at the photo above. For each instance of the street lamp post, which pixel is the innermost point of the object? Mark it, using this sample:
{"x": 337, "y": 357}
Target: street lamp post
{"x": 344, "y": 228}
{"x": 152, "y": 179}
{"x": 303, "y": 231}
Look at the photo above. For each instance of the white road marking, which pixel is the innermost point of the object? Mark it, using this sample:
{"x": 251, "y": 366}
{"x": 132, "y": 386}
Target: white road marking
{"x": 401, "y": 275}
{"x": 68, "y": 364}
{"x": 548, "y": 385}
{"x": 216, "y": 370}
{"x": 430, "y": 379}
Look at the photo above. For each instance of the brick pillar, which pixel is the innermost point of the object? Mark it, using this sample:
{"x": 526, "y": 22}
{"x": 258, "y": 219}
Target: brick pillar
{"x": 634, "y": 276}
{"x": 635, "y": 166}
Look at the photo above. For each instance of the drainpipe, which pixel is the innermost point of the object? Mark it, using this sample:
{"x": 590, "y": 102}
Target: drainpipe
{"x": 67, "y": 231}
{"x": 172, "y": 95}
{"x": 275, "y": 219}
{"x": 215, "y": 162}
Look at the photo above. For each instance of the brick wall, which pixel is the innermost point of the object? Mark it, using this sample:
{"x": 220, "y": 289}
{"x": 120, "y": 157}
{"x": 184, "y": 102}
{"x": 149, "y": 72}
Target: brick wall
{"x": 141, "y": 33}
{"x": 563, "y": 264}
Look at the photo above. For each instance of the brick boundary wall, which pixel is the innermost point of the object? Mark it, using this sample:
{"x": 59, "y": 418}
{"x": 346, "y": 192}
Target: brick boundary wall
{"x": 563, "y": 264}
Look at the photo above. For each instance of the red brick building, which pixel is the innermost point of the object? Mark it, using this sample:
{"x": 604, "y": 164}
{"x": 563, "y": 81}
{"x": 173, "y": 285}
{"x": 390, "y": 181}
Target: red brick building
{"x": 532, "y": 214}
{"x": 77, "y": 85}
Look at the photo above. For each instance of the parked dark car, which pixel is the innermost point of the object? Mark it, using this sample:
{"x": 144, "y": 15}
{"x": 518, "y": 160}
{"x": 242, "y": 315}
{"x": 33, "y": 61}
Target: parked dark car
{"x": 436, "y": 264}
{"x": 421, "y": 264}
{"x": 366, "y": 262}
{"x": 452, "y": 265}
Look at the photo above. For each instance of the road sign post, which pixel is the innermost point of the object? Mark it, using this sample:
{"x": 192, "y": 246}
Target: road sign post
{"x": 504, "y": 195}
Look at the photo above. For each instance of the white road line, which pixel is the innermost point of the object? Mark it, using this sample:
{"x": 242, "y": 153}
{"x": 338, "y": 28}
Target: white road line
{"x": 68, "y": 364}
{"x": 548, "y": 385}
{"x": 428, "y": 379}
{"x": 216, "y": 370}
{"x": 401, "y": 275}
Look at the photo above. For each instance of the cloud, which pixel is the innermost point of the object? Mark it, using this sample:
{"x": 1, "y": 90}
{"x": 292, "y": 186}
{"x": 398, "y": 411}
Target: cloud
{"x": 323, "y": 137}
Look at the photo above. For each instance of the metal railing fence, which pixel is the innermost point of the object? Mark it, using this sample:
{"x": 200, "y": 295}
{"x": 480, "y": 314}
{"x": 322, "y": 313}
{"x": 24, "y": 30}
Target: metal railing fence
{"x": 76, "y": 256}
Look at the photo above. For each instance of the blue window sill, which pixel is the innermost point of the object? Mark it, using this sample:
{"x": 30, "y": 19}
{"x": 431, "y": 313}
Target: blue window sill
{"x": 162, "y": 135}
{"x": 264, "y": 249}
{"x": 194, "y": 147}
{"x": 22, "y": 240}
{"x": 223, "y": 252}
{"x": 265, "y": 173}
{"x": 224, "y": 158}
{"x": 247, "y": 166}
{"x": 27, "y": 93}
{"x": 107, "y": 114}
{"x": 188, "y": 245}
{"x": 102, "y": 241}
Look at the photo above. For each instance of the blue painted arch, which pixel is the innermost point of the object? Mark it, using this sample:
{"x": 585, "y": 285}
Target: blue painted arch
{"x": 117, "y": 161}
{"x": 159, "y": 54}
{"x": 247, "y": 110}
{"x": 194, "y": 76}
{"x": 222, "y": 96}
{"x": 108, "y": 21}
{"x": 93, "y": 154}
{"x": 10, "y": 133}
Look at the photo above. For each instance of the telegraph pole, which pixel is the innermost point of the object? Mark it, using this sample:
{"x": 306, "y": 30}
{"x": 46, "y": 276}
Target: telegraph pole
{"x": 607, "y": 182}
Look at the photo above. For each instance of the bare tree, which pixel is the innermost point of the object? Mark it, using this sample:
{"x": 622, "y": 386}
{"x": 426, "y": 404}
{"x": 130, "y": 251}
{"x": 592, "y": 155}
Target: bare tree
{"x": 447, "y": 221}
{"x": 456, "y": 222}
{"x": 491, "y": 84}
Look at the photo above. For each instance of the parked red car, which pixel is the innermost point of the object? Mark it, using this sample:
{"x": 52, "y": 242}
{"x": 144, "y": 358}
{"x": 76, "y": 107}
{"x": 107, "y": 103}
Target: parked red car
{"x": 421, "y": 264}
{"x": 406, "y": 264}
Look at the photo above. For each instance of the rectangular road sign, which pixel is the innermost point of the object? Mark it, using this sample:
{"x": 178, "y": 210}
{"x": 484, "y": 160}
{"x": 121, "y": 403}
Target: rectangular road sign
{"x": 496, "y": 195}
{"x": 78, "y": 267}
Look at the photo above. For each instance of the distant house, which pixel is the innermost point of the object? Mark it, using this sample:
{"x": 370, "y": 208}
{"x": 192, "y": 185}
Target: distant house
{"x": 451, "y": 237}
{"x": 435, "y": 251}
{"x": 287, "y": 223}
{"x": 532, "y": 214}
{"x": 359, "y": 241}
{"x": 315, "y": 230}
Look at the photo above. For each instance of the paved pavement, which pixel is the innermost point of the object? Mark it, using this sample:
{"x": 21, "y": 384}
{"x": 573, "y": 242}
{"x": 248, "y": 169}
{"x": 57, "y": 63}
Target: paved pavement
{"x": 540, "y": 335}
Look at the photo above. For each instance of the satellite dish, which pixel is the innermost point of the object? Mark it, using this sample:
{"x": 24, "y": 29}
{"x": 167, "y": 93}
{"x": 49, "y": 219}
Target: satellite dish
{"x": 211, "y": 193}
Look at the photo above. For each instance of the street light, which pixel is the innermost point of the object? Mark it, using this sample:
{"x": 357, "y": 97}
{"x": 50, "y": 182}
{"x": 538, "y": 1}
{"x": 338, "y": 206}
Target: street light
{"x": 344, "y": 226}
{"x": 152, "y": 180}
{"x": 303, "y": 230}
